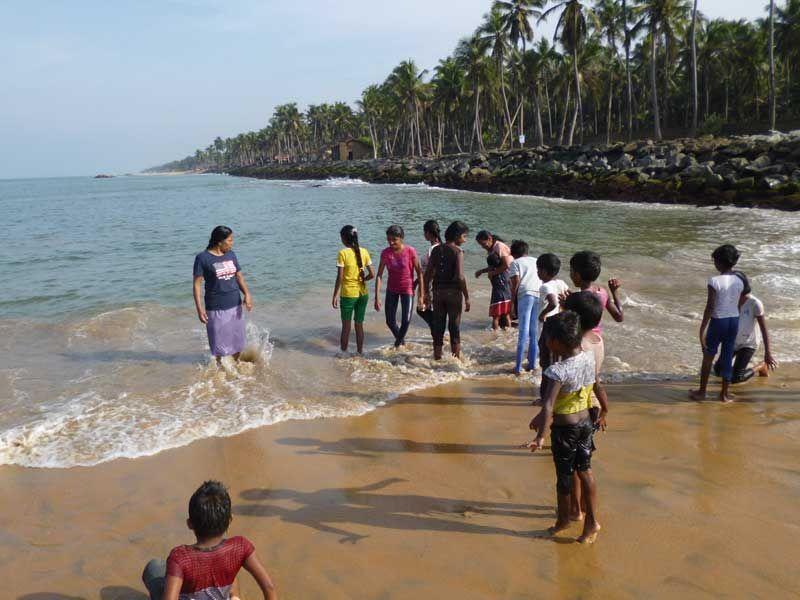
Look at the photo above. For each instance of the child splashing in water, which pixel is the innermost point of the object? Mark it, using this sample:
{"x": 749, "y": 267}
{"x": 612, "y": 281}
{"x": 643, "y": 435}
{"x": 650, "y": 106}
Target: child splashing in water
{"x": 721, "y": 317}
{"x": 354, "y": 269}
{"x": 401, "y": 261}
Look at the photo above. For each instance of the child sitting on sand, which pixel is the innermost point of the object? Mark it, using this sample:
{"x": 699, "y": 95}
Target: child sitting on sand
{"x": 548, "y": 266}
{"x": 721, "y": 317}
{"x": 208, "y": 568}
{"x": 751, "y": 310}
{"x": 566, "y": 411}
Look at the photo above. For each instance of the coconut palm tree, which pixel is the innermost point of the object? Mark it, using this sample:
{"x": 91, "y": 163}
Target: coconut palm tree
{"x": 693, "y": 41}
{"x": 448, "y": 90}
{"x": 571, "y": 31}
{"x": 611, "y": 21}
{"x": 492, "y": 33}
{"x": 406, "y": 81}
{"x": 470, "y": 55}
{"x": 772, "y": 96}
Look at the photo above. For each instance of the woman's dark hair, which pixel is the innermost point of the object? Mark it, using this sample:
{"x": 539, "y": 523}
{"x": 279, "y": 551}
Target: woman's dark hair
{"x": 432, "y": 228}
{"x": 549, "y": 263}
{"x": 219, "y": 235}
{"x": 210, "y": 510}
{"x": 350, "y": 238}
{"x": 395, "y": 231}
{"x": 519, "y": 248}
{"x": 483, "y": 235}
{"x": 745, "y": 280}
{"x": 726, "y": 255}
{"x": 586, "y": 264}
{"x": 565, "y": 327}
{"x": 455, "y": 230}
{"x": 588, "y": 308}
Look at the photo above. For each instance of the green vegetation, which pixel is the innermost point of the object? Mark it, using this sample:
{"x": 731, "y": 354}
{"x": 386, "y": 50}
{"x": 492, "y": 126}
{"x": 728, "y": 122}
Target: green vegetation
{"x": 616, "y": 70}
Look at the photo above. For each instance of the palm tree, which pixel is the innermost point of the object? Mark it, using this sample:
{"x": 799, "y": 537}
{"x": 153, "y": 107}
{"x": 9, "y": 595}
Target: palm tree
{"x": 695, "y": 102}
{"x": 571, "y": 31}
{"x": 448, "y": 89}
{"x": 470, "y": 54}
{"x": 492, "y": 33}
{"x": 406, "y": 81}
{"x": 516, "y": 18}
{"x": 610, "y": 18}
{"x": 772, "y": 100}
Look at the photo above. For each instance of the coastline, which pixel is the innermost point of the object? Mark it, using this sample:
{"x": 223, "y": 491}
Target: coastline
{"x": 430, "y": 496}
{"x": 749, "y": 171}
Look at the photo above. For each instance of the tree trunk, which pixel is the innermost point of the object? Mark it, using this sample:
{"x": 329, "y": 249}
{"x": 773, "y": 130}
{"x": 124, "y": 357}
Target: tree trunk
{"x": 564, "y": 116}
{"x": 538, "y": 110}
{"x": 665, "y": 99}
{"x": 654, "y": 84}
{"x": 549, "y": 112}
{"x": 629, "y": 81}
{"x": 507, "y": 114}
{"x": 574, "y": 124}
{"x": 610, "y": 107}
{"x": 695, "y": 103}
{"x": 772, "y": 98}
{"x": 578, "y": 103}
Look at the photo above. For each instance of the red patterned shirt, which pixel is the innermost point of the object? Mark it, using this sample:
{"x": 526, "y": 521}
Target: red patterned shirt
{"x": 208, "y": 574}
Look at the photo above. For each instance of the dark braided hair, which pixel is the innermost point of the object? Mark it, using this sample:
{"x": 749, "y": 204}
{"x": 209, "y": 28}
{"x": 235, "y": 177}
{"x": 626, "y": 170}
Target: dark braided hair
{"x": 432, "y": 228}
{"x": 350, "y": 238}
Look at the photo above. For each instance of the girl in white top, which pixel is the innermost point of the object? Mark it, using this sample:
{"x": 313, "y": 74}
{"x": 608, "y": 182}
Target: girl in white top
{"x": 720, "y": 321}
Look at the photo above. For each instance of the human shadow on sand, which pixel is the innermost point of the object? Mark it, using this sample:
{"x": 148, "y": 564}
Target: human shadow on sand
{"x": 327, "y": 510}
{"x": 370, "y": 447}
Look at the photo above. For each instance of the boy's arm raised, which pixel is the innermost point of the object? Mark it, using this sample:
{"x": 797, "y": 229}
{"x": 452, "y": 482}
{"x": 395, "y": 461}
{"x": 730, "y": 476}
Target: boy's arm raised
{"x": 259, "y": 573}
{"x": 615, "y": 306}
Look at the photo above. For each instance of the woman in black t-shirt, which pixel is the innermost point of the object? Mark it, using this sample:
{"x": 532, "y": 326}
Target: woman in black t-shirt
{"x": 446, "y": 272}
{"x": 221, "y": 309}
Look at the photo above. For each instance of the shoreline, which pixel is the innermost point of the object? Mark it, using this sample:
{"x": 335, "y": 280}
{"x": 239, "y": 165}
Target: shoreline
{"x": 428, "y": 483}
{"x": 749, "y": 171}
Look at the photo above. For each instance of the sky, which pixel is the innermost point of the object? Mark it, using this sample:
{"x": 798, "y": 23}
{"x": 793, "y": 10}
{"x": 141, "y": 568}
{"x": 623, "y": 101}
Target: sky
{"x": 93, "y": 86}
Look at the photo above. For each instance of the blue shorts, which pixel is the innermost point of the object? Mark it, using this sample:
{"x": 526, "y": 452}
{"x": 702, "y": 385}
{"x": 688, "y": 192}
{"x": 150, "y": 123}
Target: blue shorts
{"x": 723, "y": 332}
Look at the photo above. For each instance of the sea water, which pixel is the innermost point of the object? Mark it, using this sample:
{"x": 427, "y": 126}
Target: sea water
{"x": 102, "y": 355}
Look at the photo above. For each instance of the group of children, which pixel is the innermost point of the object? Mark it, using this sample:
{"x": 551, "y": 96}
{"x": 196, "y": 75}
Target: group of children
{"x": 570, "y": 348}
{"x": 729, "y": 325}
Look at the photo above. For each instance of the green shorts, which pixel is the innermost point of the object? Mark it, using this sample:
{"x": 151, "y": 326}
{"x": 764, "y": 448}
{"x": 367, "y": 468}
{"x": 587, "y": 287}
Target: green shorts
{"x": 354, "y": 308}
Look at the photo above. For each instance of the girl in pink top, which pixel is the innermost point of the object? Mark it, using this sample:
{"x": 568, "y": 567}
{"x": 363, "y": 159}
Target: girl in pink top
{"x": 584, "y": 270}
{"x": 401, "y": 262}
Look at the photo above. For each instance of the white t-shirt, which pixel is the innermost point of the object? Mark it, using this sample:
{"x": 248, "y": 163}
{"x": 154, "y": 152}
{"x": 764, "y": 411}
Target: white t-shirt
{"x": 729, "y": 289}
{"x": 555, "y": 287}
{"x": 749, "y": 335}
{"x": 524, "y": 267}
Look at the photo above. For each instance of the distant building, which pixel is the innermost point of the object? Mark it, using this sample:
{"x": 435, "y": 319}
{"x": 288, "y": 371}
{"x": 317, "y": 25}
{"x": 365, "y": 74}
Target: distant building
{"x": 282, "y": 158}
{"x": 351, "y": 149}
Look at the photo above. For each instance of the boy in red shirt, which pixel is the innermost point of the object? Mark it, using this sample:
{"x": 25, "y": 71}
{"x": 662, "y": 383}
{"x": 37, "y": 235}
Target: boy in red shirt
{"x": 207, "y": 570}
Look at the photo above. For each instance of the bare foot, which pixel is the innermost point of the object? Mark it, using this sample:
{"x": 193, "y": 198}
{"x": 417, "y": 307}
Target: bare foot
{"x": 559, "y": 526}
{"x": 697, "y": 395}
{"x": 589, "y": 534}
{"x": 727, "y": 399}
{"x": 579, "y": 516}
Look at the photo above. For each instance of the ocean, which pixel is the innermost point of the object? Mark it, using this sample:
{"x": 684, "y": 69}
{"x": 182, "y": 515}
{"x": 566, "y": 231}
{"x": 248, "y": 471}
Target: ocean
{"x": 102, "y": 356}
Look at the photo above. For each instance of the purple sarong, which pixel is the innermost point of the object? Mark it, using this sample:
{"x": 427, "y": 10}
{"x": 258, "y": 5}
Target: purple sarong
{"x": 226, "y": 331}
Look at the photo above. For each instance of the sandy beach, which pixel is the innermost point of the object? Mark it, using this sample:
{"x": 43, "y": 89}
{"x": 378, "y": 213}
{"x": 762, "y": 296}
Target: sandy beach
{"x": 430, "y": 497}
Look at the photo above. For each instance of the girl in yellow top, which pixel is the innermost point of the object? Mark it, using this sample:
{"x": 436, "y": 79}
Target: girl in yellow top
{"x": 567, "y": 404}
{"x": 354, "y": 269}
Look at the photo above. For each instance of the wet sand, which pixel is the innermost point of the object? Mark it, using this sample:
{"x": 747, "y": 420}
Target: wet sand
{"x": 431, "y": 498}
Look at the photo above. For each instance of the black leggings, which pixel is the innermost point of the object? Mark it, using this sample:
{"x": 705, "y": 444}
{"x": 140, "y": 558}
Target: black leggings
{"x": 741, "y": 370}
{"x": 446, "y": 315}
{"x": 405, "y": 301}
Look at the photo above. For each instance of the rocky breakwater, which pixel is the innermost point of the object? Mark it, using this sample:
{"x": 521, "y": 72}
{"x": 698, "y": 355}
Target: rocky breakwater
{"x": 755, "y": 171}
